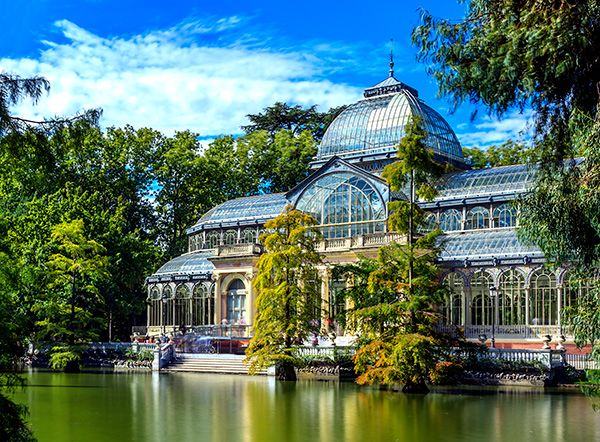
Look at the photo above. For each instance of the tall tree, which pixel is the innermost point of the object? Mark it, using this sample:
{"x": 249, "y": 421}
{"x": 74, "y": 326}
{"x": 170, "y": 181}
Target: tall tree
{"x": 396, "y": 316}
{"x": 79, "y": 265}
{"x": 286, "y": 295}
{"x": 295, "y": 119}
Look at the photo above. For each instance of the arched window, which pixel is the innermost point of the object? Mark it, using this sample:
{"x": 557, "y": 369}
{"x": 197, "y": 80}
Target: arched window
{"x": 481, "y": 302}
{"x": 504, "y": 216}
{"x": 248, "y": 236}
{"x": 337, "y": 301}
{"x": 202, "y": 305}
{"x": 576, "y": 288}
{"x": 429, "y": 224}
{"x": 154, "y": 307}
{"x": 453, "y": 307}
{"x": 543, "y": 304}
{"x": 182, "y": 305}
{"x": 477, "y": 218}
{"x": 344, "y": 204}
{"x": 261, "y": 232}
{"x": 450, "y": 220}
{"x": 236, "y": 301}
{"x": 230, "y": 237}
{"x": 168, "y": 306}
{"x": 213, "y": 239}
{"x": 511, "y": 299}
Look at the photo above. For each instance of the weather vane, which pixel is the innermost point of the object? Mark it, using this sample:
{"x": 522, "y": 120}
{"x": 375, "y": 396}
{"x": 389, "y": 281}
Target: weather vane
{"x": 392, "y": 58}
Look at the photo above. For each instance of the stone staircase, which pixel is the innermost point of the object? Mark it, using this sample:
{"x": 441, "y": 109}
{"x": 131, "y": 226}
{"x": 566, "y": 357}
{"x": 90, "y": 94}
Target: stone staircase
{"x": 210, "y": 363}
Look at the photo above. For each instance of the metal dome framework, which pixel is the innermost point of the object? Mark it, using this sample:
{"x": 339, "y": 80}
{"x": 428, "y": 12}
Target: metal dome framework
{"x": 371, "y": 128}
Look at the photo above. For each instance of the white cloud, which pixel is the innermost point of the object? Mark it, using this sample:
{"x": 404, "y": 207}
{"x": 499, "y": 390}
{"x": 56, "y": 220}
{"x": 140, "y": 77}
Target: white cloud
{"x": 203, "y": 75}
{"x": 493, "y": 131}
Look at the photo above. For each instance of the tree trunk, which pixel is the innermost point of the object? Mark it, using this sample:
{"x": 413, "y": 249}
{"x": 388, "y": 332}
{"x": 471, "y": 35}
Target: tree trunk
{"x": 71, "y": 327}
{"x": 72, "y": 367}
{"x": 285, "y": 372}
{"x": 415, "y": 388}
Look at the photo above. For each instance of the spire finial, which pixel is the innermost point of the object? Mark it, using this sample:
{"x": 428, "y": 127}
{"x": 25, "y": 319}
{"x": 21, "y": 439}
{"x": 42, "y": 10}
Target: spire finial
{"x": 392, "y": 58}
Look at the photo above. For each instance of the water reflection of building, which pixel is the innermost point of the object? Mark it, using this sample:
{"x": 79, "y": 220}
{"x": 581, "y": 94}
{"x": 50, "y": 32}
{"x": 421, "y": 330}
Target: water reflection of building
{"x": 213, "y": 281}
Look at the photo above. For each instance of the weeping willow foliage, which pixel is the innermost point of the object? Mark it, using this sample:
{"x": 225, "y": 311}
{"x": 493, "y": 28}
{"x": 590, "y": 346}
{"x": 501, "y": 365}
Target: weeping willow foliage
{"x": 288, "y": 297}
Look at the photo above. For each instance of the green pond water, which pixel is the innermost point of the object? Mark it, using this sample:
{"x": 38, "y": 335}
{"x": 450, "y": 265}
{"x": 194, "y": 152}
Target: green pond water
{"x": 199, "y": 407}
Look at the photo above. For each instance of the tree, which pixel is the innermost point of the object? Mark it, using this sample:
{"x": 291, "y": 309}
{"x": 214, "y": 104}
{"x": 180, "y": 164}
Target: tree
{"x": 543, "y": 55}
{"x": 286, "y": 295}
{"x": 12, "y": 90}
{"x": 395, "y": 295}
{"x": 295, "y": 119}
{"x": 397, "y": 319}
{"x": 509, "y": 153}
{"x": 79, "y": 265}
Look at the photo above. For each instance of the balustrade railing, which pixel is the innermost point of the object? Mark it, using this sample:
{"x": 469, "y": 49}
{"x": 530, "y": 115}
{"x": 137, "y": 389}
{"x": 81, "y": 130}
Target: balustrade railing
{"x": 505, "y": 331}
{"x": 546, "y": 358}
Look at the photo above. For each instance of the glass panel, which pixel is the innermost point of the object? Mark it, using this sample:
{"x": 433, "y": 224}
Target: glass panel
{"x": 343, "y": 204}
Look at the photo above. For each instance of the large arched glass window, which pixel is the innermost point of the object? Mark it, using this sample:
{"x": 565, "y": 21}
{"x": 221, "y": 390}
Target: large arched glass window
{"x": 236, "y": 302}
{"x": 511, "y": 299}
{"x": 202, "y": 305}
{"x": 504, "y": 216}
{"x": 477, "y": 218}
{"x": 168, "y": 306}
{"x": 154, "y": 309}
{"x": 453, "y": 307}
{"x": 182, "y": 305}
{"x": 543, "y": 304}
{"x": 450, "y": 220}
{"x": 344, "y": 205}
{"x": 481, "y": 302}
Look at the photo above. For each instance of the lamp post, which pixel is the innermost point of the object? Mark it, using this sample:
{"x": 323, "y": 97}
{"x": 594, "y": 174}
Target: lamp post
{"x": 493, "y": 293}
{"x": 164, "y": 311}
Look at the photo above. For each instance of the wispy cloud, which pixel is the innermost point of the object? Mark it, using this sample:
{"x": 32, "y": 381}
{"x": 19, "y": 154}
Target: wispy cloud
{"x": 204, "y": 75}
{"x": 493, "y": 131}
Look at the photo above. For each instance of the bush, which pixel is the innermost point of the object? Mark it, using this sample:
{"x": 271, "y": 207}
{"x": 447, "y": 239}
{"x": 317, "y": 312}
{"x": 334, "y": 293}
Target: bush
{"x": 446, "y": 373}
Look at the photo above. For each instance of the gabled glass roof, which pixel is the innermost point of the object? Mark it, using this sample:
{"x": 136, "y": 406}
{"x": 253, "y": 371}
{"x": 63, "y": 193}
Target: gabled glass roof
{"x": 497, "y": 180}
{"x": 375, "y": 125}
{"x": 246, "y": 209}
{"x": 191, "y": 263}
{"x": 485, "y": 244}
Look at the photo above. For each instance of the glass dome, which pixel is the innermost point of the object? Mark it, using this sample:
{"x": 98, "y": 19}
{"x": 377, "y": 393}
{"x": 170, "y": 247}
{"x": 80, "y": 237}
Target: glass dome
{"x": 374, "y": 125}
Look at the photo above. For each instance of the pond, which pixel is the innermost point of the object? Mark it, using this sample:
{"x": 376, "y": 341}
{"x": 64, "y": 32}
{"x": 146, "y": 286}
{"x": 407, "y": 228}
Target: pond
{"x": 201, "y": 407}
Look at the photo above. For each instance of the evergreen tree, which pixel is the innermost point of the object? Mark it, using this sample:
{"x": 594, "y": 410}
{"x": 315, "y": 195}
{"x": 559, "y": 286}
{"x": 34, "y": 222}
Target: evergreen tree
{"x": 287, "y": 295}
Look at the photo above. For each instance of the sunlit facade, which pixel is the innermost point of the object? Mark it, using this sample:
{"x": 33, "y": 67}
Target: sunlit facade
{"x": 212, "y": 283}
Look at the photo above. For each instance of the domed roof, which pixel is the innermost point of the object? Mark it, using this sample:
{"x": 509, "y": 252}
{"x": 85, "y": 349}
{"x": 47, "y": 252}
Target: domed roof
{"x": 372, "y": 127}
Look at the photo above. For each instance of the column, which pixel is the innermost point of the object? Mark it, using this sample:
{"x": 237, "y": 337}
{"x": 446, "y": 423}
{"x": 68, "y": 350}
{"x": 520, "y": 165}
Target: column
{"x": 250, "y": 298}
{"x": 559, "y": 291}
{"x": 217, "y": 294}
{"x": 324, "y": 275}
{"x": 527, "y": 317}
{"x": 467, "y": 307}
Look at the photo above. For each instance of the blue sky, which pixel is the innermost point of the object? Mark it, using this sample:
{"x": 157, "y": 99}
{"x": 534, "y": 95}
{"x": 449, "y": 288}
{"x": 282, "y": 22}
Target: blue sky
{"x": 203, "y": 65}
